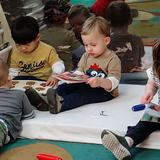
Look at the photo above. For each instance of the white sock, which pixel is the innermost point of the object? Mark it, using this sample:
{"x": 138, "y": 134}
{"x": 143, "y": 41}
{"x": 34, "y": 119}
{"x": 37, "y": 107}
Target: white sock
{"x": 129, "y": 141}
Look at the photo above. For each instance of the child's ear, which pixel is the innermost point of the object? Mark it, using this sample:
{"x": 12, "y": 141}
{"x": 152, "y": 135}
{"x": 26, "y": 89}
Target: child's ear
{"x": 38, "y": 37}
{"x": 107, "y": 40}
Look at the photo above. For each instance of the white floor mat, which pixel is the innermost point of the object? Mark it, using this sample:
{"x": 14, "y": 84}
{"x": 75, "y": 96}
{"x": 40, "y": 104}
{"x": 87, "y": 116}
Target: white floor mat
{"x": 86, "y": 123}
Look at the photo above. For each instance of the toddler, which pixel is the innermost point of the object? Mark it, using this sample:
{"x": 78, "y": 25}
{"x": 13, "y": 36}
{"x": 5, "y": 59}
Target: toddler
{"x": 101, "y": 65}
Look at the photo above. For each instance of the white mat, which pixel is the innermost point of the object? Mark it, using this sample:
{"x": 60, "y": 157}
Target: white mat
{"x": 86, "y": 123}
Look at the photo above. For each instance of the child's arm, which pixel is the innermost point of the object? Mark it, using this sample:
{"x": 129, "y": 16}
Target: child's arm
{"x": 100, "y": 82}
{"x": 27, "y": 109}
{"x": 150, "y": 91}
{"x": 13, "y": 67}
{"x": 151, "y": 87}
{"x": 13, "y": 72}
{"x": 112, "y": 80}
{"x": 57, "y": 66}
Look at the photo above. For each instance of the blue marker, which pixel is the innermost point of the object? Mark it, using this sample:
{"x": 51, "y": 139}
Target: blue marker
{"x": 138, "y": 107}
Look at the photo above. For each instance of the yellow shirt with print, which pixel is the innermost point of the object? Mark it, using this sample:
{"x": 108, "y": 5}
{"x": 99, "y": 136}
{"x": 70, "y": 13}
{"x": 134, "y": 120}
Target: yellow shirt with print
{"x": 38, "y": 63}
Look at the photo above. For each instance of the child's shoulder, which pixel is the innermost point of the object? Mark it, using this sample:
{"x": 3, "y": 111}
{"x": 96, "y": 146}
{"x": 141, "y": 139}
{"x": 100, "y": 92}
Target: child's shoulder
{"x": 112, "y": 56}
{"x": 46, "y": 47}
{"x": 124, "y": 37}
{"x": 63, "y": 32}
{"x": 16, "y": 92}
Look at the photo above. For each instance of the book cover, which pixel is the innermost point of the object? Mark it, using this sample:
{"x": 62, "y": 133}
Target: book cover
{"x": 69, "y": 77}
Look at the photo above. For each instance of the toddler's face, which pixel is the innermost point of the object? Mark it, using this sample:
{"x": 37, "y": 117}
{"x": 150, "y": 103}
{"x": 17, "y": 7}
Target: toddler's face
{"x": 28, "y": 47}
{"x": 95, "y": 43}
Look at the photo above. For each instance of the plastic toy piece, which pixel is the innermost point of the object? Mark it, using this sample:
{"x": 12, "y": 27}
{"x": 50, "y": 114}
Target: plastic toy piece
{"x": 43, "y": 156}
{"x": 138, "y": 107}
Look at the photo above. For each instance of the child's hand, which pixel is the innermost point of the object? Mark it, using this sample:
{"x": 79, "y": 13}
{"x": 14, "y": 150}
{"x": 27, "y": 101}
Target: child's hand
{"x": 94, "y": 82}
{"x": 136, "y": 69}
{"x": 157, "y": 107}
{"x": 146, "y": 98}
{"x": 51, "y": 81}
{"x": 66, "y": 73}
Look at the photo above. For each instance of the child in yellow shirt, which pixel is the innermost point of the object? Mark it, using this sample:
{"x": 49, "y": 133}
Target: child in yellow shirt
{"x": 32, "y": 59}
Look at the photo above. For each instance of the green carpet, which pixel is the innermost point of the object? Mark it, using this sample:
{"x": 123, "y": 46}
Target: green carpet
{"x": 81, "y": 151}
{"x": 148, "y": 22}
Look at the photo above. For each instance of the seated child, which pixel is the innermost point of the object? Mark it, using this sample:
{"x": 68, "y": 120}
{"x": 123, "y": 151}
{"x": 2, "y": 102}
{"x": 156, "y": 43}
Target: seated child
{"x": 14, "y": 106}
{"x": 101, "y": 65}
{"x": 31, "y": 57}
{"x": 77, "y": 15}
{"x": 55, "y": 34}
{"x": 128, "y": 47}
{"x": 120, "y": 146}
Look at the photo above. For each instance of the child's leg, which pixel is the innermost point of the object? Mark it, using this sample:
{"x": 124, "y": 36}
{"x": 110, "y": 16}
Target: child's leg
{"x": 85, "y": 95}
{"x": 141, "y": 131}
{"x": 4, "y": 138}
{"x": 36, "y": 100}
{"x": 65, "y": 89}
{"x": 116, "y": 144}
{"x": 27, "y": 78}
{"x": 120, "y": 146}
{"x": 56, "y": 97}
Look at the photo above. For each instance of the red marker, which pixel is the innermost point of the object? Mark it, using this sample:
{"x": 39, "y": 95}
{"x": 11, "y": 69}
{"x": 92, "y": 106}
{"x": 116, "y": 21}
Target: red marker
{"x": 43, "y": 156}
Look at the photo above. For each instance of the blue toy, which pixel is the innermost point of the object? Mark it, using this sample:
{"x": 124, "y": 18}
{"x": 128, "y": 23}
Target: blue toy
{"x": 138, "y": 107}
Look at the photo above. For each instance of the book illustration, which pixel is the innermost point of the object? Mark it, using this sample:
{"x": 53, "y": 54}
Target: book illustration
{"x": 30, "y": 83}
{"x": 39, "y": 86}
{"x": 27, "y": 87}
{"x": 152, "y": 113}
{"x": 70, "y": 77}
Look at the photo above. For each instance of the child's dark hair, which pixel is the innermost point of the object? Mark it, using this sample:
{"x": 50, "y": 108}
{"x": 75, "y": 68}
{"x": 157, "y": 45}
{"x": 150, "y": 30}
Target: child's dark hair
{"x": 118, "y": 14}
{"x": 3, "y": 72}
{"x": 50, "y": 11}
{"x": 77, "y": 10}
{"x": 156, "y": 60}
{"x": 24, "y": 29}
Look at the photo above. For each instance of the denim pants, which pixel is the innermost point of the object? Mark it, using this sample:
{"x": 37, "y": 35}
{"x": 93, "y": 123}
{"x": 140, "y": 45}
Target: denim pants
{"x": 76, "y": 95}
{"x": 141, "y": 131}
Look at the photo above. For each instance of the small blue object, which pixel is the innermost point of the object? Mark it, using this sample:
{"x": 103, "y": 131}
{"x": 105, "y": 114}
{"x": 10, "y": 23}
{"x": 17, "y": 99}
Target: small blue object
{"x": 138, "y": 107}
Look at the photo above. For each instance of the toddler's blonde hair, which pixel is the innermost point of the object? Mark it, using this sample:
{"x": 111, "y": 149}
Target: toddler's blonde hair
{"x": 93, "y": 23}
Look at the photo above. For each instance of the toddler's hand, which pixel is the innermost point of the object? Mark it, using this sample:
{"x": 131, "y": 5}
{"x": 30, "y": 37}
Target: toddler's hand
{"x": 51, "y": 81}
{"x": 94, "y": 82}
{"x": 136, "y": 69}
{"x": 146, "y": 98}
{"x": 157, "y": 108}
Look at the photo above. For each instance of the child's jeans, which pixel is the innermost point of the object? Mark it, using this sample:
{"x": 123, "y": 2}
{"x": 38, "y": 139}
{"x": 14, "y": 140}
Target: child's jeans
{"x": 75, "y": 95}
{"x": 141, "y": 131}
{"x": 4, "y": 137}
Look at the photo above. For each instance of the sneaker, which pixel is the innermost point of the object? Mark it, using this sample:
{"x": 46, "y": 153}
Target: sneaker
{"x": 116, "y": 144}
{"x": 53, "y": 100}
{"x": 36, "y": 100}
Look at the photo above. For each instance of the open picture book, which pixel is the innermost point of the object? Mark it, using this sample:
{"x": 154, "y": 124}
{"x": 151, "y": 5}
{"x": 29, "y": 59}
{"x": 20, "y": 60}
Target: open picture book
{"x": 70, "y": 77}
{"x": 39, "y": 86}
